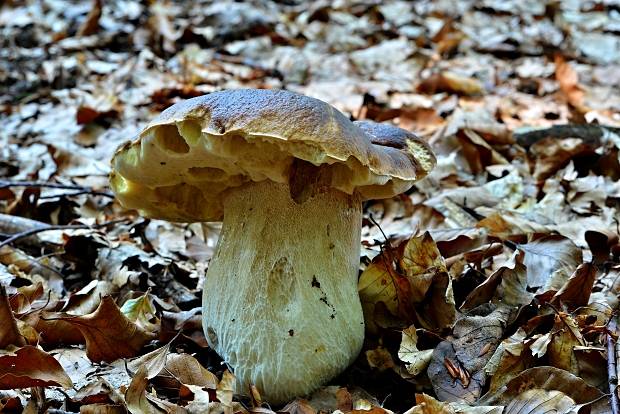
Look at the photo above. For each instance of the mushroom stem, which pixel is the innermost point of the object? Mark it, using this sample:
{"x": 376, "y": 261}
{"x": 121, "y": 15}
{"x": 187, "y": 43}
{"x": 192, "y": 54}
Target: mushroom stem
{"x": 280, "y": 302}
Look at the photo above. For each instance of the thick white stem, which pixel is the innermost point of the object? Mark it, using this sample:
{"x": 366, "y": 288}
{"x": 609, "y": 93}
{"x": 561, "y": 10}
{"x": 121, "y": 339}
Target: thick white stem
{"x": 280, "y": 302}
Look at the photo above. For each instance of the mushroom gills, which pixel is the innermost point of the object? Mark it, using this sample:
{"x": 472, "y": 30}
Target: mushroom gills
{"x": 280, "y": 302}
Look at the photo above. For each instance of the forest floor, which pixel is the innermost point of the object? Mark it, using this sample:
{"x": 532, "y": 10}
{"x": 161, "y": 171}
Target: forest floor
{"x": 491, "y": 286}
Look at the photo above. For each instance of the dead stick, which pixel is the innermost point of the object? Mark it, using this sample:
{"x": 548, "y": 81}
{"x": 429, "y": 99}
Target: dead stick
{"x": 612, "y": 373}
{"x": 31, "y": 232}
{"x": 589, "y": 133}
{"x": 7, "y": 184}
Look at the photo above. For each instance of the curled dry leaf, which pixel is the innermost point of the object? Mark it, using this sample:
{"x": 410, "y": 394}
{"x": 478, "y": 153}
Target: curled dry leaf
{"x": 546, "y": 379}
{"x": 140, "y": 402}
{"x": 109, "y": 334}
{"x": 550, "y": 261}
{"x": 569, "y": 83}
{"x": 29, "y": 366}
{"x": 381, "y": 287}
{"x": 415, "y": 360}
{"x": 186, "y": 369}
{"x": 577, "y": 289}
{"x": 379, "y": 358}
{"x": 457, "y": 365}
{"x": 57, "y": 331}
{"x": 425, "y": 404}
{"x": 418, "y": 279}
{"x": 141, "y": 311}
{"x": 9, "y": 333}
{"x": 511, "y": 357}
{"x": 154, "y": 361}
{"x": 225, "y": 390}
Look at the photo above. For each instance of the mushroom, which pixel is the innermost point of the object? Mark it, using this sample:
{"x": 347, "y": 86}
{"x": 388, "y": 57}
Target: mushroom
{"x": 287, "y": 174}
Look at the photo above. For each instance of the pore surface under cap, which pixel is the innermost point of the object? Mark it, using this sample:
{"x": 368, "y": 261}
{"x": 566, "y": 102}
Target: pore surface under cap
{"x": 185, "y": 160}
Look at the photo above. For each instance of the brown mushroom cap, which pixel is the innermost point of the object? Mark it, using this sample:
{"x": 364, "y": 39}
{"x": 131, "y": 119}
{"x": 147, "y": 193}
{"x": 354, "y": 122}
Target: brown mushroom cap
{"x": 184, "y": 161}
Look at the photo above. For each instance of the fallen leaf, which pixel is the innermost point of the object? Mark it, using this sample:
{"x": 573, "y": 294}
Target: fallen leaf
{"x": 569, "y": 83}
{"x": 415, "y": 360}
{"x": 577, "y": 289}
{"x": 457, "y": 366}
{"x": 9, "y": 333}
{"x": 547, "y": 379}
{"x": 186, "y": 369}
{"x": 155, "y": 361}
{"x": 29, "y": 366}
{"x": 225, "y": 391}
{"x": 141, "y": 402}
{"x": 108, "y": 333}
{"x": 425, "y": 404}
{"x": 379, "y": 358}
{"x": 550, "y": 261}
{"x": 141, "y": 311}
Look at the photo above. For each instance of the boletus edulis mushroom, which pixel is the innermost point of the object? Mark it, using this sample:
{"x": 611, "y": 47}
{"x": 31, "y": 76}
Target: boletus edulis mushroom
{"x": 287, "y": 174}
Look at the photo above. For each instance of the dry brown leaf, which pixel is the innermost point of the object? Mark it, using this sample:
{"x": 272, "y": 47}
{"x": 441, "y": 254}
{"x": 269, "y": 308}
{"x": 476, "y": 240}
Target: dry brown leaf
{"x": 54, "y": 330}
{"x": 425, "y": 404}
{"x": 225, "y": 390}
{"x": 416, "y": 360}
{"x": 21, "y": 302}
{"x": 141, "y": 311}
{"x": 577, "y": 289}
{"x": 29, "y": 366}
{"x": 187, "y": 370}
{"x": 511, "y": 357}
{"x": 108, "y": 333}
{"x": 102, "y": 409}
{"x": 457, "y": 367}
{"x": 9, "y": 333}
{"x": 298, "y": 406}
{"x": 140, "y": 402}
{"x": 379, "y": 358}
{"x": 154, "y": 361}
{"x": 543, "y": 378}
{"x": 550, "y": 261}
{"x": 380, "y": 284}
{"x": 569, "y": 84}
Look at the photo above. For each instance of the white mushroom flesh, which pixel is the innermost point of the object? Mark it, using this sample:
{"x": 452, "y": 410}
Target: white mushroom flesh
{"x": 280, "y": 302}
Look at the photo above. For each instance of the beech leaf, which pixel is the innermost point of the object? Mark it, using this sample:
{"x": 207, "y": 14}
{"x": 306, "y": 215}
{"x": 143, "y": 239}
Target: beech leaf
{"x": 29, "y": 366}
{"x": 109, "y": 334}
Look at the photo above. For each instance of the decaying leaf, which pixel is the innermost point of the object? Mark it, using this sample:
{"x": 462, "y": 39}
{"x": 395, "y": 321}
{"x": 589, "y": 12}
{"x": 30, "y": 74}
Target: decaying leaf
{"x": 108, "y": 333}
{"x": 9, "y": 333}
{"x": 141, "y": 311}
{"x": 550, "y": 261}
{"x": 139, "y": 401}
{"x": 417, "y": 284}
{"x": 541, "y": 381}
{"x": 425, "y": 404}
{"x": 416, "y": 360}
{"x": 29, "y": 366}
{"x": 457, "y": 365}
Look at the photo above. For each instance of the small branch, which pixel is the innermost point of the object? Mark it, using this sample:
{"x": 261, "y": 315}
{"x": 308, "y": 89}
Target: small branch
{"x": 589, "y": 133}
{"x": 612, "y": 371}
{"x": 241, "y": 60}
{"x": 34, "y": 231}
{"x": 83, "y": 190}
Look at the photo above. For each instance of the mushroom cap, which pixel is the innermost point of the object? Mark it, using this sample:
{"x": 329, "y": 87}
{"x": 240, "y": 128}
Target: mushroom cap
{"x": 184, "y": 161}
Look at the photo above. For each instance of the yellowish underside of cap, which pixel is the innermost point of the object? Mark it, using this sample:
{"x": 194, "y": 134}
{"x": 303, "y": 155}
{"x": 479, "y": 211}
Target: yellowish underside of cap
{"x": 180, "y": 173}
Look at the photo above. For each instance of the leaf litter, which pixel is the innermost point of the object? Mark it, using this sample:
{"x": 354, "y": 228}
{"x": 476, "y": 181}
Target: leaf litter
{"x": 492, "y": 286}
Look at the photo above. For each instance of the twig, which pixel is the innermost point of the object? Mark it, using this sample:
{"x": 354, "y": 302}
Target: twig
{"x": 612, "y": 373}
{"x": 242, "y": 60}
{"x": 31, "y": 232}
{"x": 589, "y": 133}
{"x": 83, "y": 190}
